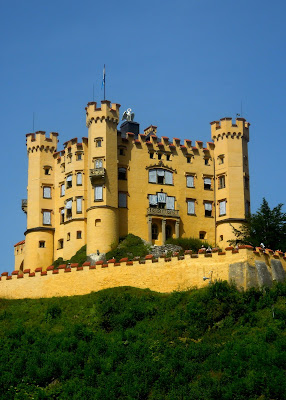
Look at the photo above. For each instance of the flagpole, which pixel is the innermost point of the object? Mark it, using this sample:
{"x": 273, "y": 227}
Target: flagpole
{"x": 104, "y": 80}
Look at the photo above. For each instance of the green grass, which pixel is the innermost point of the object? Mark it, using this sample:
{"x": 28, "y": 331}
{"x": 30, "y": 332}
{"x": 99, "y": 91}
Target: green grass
{"x": 126, "y": 343}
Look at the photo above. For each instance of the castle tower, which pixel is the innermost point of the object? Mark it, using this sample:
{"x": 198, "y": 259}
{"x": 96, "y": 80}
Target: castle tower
{"x": 102, "y": 191}
{"x": 39, "y": 247}
{"x": 232, "y": 194}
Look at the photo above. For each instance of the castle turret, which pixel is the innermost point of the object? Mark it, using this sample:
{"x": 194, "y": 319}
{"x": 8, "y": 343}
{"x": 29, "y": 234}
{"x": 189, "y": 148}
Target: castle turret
{"x": 232, "y": 194}
{"x": 102, "y": 197}
{"x": 40, "y": 202}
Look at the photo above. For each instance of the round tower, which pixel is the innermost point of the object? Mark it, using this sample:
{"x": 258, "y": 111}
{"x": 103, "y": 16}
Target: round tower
{"x": 39, "y": 247}
{"x": 232, "y": 192}
{"x": 102, "y": 192}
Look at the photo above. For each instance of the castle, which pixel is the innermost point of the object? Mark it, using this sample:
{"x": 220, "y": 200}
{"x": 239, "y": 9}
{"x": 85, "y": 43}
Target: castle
{"x": 120, "y": 181}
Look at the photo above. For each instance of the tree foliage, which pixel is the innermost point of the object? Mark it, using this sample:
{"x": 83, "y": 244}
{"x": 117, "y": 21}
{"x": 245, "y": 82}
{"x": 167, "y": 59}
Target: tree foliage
{"x": 267, "y": 226}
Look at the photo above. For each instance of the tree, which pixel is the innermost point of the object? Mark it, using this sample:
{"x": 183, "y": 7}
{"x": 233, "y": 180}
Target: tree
{"x": 265, "y": 226}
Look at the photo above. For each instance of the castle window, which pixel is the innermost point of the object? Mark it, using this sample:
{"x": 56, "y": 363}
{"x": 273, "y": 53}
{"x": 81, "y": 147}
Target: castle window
{"x": 168, "y": 157}
{"x": 191, "y": 207}
{"x": 62, "y": 215}
{"x": 63, "y": 167}
{"x": 154, "y": 231}
{"x": 202, "y": 235}
{"x": 47, "y": 192}
{"x": 122, "y": 199}
{"x": 221, "y": 182}
{"x": 63, "y": 189}
{"x": 98, "y": 163}
{"x": 60, "y": 243}
{"x": 222, "y": 208}
{"x": 69, "y": 158}
{"x": 190, "y": 181}
{"x": 98, "y": 142}
{"x": 68, "y": 236}
{"x": 79, "y": 205}
{"x": 121, "y": 152}
{"x": 221, "y": 159}
{"x": 47, "y": 170}
{"x": 207, "y": 183}
{"x": 160, "y": 176}
{"x": 68, "y": 207}
{"x": 170, "y": 203}
{"x": 47, "y": 217}
{"x": 151, "y": 155}
{"x": 69, "y": 181}
{"x": 159, "y": 156}
{"x": 122, "y": 173}
{"x": 208, "y": 209}
{"x": 79, "y": 156}
{"x": 42, "y": 244}
{"x": 207, "y": 161}
{"x": 78, "y": 234}
{"x": 189, "y": 160}
{"x": 98, "y": 193}
{"x": 79, "y": 178}
{"x": 221, "y": 238}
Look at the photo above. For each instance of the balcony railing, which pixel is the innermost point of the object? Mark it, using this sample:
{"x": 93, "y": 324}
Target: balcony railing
{"x": 162, "y": 212}
{"x": 97, "y": 173}
{"x": 24, "y": 205}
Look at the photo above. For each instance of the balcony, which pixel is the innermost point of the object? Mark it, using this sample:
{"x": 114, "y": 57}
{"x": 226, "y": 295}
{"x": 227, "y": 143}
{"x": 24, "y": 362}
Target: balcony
{"x": 162, "y": 212}
{"x": 97, "y": 174}
{"x": 24, "y": 205}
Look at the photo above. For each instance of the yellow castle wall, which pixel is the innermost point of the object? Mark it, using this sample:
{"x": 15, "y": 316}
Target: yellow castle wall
{"x": 161, "y": 276}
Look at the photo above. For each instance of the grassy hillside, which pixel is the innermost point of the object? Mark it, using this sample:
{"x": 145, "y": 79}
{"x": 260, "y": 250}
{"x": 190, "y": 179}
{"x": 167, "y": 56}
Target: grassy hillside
{"x": 126, "y": 343}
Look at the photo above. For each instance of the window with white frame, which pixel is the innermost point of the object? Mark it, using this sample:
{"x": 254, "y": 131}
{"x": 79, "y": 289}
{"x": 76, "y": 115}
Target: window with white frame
{"x": 191, "y": 206}
{"x": 79, "y": 205}
{"x": 47, "y": 193}
{"x": 222, "y": 208}
{"x": 208, "y": 208}
{"x": 98, "y": 193}
{"x": 47, "y": 217}
{"x": 122, "y": 199}
{"x": 190, "y": 181}
{"x": 207, "y": 183}
{"x": 160, "y": 176}
{"x": 221, "y": 182}
{"x": 161, "y": 200}
{"x": 69, "y": 181}
{"x": 63, "y": 189}
{"x": 79, "y": 178}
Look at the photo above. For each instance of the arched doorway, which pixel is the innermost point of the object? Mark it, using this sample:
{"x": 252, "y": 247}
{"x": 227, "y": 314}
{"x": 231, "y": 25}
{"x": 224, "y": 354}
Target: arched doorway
{"x": 154, "y": 232}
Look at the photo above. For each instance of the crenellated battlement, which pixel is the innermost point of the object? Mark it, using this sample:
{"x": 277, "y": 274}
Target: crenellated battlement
{"x": 39, "y": 141}
{"x": 245, "y": 266}
{"x": 226, "y": 127}
{"x": 107, "y": 111}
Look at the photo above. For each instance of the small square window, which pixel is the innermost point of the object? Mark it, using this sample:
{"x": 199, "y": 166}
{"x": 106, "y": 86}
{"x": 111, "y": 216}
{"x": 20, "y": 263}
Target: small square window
{"x": 168, "y": 157}
{"x": 202, "y": 235}
{"x": 68, "y": 236}
{"x": 79, "y": 157}
{"x": 159, "y": 156}
{"x": 221, "y": 238}
{"x": 78, "y": 234}
{"x": 121, "y": 152}
{"x": 189, "y": 160}
{"x": 47, "y": 170}
{"x": 98, "y": 143}
{"x": 60, "y": 243}
{"x": 207, "y": 161}
{"x": 151, "y": 155}
{"x": 42, "y": 244}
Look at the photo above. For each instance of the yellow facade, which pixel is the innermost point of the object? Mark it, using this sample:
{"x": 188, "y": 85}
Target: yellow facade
{"x": 118, "y": 181}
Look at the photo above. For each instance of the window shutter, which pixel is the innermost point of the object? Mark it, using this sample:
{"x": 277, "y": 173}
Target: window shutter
{"x": 63, "y": 211}
{"x": 79, "y": 204}
{"x": 170, "y": 203}
{"x": 191, "y": 207}
{"x": 208, "y": 206}
{"x": 222, "y": 208}
{"x": 207, "y": 181}
{"x": 160, "y": 172}
{"x": 47, "y": 192}
{"x": 69, "y": 178}
{"x": 153, "y": 176}
{"x": 153, "y": 201}
{"x": 168, "y": 178}
{"x": 122, "y": 199}
{"x": 47, "y": 218}
{"x": 190, "y": 181}
{"x": 79, "y": 178}
{"x": 98, "y": 192}
{"x": 161, "y": 197}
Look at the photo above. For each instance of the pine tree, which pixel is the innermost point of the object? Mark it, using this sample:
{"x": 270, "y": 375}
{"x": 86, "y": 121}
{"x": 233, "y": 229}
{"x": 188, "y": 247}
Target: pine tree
{"x": 265, "y": 226}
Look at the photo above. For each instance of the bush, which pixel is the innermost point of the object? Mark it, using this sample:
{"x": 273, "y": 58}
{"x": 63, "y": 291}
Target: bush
{"x": 130, "y": 246}
{"x": 79, "y": 257}
{"x": 193, "y": 244}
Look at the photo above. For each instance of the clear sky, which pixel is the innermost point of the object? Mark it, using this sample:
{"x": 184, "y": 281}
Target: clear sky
{"x": 178, "y": 64}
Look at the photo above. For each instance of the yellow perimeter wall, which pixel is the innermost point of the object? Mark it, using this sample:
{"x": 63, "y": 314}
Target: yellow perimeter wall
{"x": 162, "y": 276}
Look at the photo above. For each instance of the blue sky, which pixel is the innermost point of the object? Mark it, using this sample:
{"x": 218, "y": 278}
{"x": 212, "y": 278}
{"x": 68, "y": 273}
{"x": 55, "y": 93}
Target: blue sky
{"x": 178, "y": 65}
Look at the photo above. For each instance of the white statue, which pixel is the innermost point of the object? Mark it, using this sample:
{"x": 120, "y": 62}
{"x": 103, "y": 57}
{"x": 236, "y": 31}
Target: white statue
{"x": 128, "y": 115}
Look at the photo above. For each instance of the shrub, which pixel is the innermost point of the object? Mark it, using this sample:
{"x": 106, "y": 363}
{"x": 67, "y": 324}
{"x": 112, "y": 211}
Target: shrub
{"x": 131, "y": 246}
{"x": 193, "y": 244}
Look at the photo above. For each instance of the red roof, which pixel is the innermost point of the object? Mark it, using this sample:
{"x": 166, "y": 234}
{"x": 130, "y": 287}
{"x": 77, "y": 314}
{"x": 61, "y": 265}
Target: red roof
{"x": 18, "y": 244}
